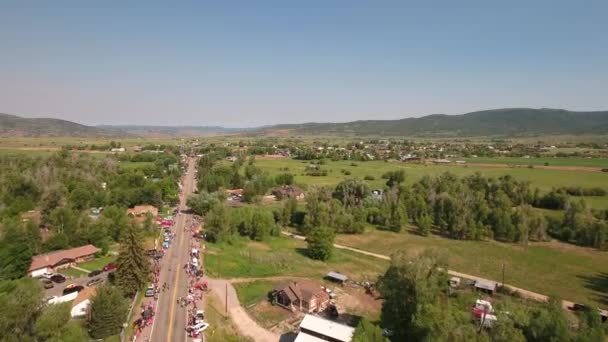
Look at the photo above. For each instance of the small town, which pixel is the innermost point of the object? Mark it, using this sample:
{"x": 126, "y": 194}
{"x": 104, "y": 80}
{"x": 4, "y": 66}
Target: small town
{"x": 319, "y": 171}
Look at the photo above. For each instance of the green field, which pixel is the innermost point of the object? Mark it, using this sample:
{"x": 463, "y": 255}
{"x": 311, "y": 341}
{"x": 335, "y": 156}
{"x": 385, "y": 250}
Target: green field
{"x": 567, "y": 271}
{"x": 282, "y": 256}
{"x": 551, "y": 161}
{"x": 545, "y": 180}
{"x": 253, "y": 292}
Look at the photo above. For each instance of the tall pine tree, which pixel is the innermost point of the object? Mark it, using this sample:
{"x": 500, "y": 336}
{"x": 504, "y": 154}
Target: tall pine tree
{"x": 132, "y": 266}
{"x": 108, "y": 312}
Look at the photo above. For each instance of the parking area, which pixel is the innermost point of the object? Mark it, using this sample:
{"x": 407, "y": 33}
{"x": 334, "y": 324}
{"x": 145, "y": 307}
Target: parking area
{"x": 58, "y": 288}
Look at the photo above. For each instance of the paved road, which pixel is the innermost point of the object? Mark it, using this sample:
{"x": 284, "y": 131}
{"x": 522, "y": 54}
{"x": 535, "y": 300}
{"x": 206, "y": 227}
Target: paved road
{"x": 170, "y": 321}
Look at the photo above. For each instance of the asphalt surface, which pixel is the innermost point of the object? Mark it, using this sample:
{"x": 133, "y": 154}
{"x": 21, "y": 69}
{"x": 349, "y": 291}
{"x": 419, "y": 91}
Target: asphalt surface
{"x": 171, "y": 319}
{"x": 58, "y": 288}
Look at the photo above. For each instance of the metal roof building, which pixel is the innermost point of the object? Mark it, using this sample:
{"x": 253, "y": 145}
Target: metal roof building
{"x": 337, "y": 276}
{"x": 315, "y": 329}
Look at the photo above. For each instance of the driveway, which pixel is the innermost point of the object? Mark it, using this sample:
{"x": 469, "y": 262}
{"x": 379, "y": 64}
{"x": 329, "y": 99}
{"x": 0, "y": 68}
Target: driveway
{"x": 58, "y": 288}
{"x": 246, "y": 326}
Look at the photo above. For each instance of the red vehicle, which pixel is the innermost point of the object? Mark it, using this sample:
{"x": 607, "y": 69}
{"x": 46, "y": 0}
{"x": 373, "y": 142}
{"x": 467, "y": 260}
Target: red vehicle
{"x": 109, "y": 267}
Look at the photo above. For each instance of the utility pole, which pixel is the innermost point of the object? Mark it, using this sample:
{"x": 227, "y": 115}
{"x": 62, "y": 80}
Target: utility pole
{"x": 503, "y": 275}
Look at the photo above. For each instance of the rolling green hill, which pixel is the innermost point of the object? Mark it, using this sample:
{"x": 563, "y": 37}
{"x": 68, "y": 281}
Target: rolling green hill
{"x": 15, "y": 126}
{"x": 497, "y": 122}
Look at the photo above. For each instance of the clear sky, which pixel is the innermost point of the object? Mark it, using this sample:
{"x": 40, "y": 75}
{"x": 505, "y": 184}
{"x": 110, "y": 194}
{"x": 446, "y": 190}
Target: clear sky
{"x": 247, "y": 63}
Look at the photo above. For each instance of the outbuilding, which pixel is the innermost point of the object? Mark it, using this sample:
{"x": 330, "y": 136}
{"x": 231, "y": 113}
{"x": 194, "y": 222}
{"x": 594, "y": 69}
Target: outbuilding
{"x": 486, "y": 286}
{"x": 337, "y": 277}
{"x": 317, "y": 329}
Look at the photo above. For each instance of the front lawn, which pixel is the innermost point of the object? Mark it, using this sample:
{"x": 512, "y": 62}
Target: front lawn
{"x": 97, "y": 263}
{"x": 252, "y": 292}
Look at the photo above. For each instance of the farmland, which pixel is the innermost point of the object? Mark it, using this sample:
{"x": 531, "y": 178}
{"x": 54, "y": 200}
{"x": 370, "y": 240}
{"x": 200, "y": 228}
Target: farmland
{"x": 553, "y": 268}
{"x": 545, "y": 180}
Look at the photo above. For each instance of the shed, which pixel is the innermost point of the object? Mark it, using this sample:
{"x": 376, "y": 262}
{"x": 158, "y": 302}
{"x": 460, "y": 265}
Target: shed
{"x": 335, "y": 276}
{"x": 486, "y": 286}
{"x": 313, "y": 328}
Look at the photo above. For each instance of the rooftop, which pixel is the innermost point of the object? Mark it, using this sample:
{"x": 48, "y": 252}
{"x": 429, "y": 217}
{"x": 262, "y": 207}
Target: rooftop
{"x": 327, "y": 328}
{"x": 53, "y": 258}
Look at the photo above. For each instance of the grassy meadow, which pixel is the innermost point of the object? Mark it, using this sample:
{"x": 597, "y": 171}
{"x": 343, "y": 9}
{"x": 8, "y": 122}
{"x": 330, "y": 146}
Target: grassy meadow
{"x": 552, "y": 268}
{"x": 544, "y": 179}
{"x": 551, "y": 161}
{"x": 283, "y": 256}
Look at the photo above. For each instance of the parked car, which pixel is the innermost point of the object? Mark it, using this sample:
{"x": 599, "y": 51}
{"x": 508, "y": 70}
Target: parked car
{"x": 95, "y": 273}
{"x": 150, "y": 291}
{"x": 46, "y": 275}
{"x": 109, "y": 267}
{"x": 75, "y": 288}
{"x": 94, "y": 282}
{"x": 47, "y": 283}
{"x": 58, "y": 278}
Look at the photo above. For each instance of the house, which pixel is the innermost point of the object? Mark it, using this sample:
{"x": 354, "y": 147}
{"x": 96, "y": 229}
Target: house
{"x": 442, "y": 161}
{"x": 317, "y": 329}
{"x": 487, "y": 286}
{"x": 234, "y": 194}
{"x": 140, "y": 210}
{"x": 49, "y": 262}
{"x": 80, "y": 305}
{"x": 306, "y": 296}
{"x": 288, "y": 191}
{"x": 118, "y": 149}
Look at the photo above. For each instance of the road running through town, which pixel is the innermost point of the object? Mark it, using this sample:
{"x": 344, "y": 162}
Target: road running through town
{"x": 171, "y": 318}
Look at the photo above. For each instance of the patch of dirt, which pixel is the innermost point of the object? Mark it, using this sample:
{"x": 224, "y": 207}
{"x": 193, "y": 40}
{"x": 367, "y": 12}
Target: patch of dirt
{"x": 258, "y": 246}
{"x": 356, "y": 301}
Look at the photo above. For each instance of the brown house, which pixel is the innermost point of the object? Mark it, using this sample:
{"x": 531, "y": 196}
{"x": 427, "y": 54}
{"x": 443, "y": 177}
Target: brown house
{"x": 305, "y": 296}
{"x": 288, "y": 191}
{"x": 52, "y": 261}
{"x": 140, "y": 210}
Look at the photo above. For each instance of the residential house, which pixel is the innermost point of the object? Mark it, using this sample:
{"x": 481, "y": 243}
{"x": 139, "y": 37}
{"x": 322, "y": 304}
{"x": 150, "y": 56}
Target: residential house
{"x": 317, "y": 329}
{"x": 80, "y": 305}
{"x": 234, "y": 194}
{"x": 306, "y": 296}
{"x": 50, "y": 262}
{"x": 288, "y": 191}
{"x": 141, "y": 210}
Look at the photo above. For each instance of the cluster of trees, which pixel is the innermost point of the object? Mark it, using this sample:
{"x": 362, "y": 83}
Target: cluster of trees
{"x": 63, "y": 188}
{"x": 418, "y": 307}
{"x": 24, "y": 318}
{"x": 242, "y": 174}
{"x": 257, "y": 223}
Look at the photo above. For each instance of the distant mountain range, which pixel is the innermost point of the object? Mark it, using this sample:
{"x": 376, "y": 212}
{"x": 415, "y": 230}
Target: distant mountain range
{"x": 15, "y": 126}
{"x": 173, "y": 131}
{"x": 497, "y": 122}
{"x": 507, "y": 122}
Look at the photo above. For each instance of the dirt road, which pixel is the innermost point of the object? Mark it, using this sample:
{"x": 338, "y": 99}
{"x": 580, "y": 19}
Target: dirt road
{"x": 246, "y": 326}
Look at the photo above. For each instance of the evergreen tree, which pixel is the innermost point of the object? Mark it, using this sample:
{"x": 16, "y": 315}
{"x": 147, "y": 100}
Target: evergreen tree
{"x": 320, "y": 243}
{"x": 108, "y": 312}
{"x": 132, "y": 265}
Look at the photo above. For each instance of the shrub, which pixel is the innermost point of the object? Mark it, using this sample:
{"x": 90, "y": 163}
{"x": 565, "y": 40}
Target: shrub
{"x": 369, "y": 178}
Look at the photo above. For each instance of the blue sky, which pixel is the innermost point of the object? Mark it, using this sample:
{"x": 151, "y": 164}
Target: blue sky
{"x": 247, "y": 63}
